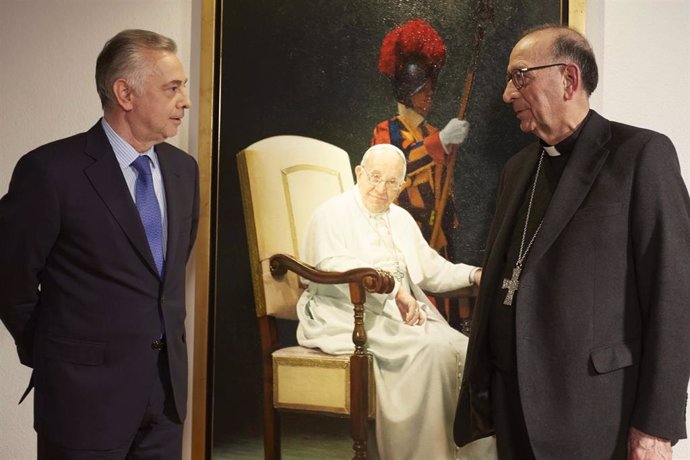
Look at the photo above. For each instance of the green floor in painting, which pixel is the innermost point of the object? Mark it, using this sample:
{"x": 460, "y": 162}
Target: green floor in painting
{"x": 305, "y": 437}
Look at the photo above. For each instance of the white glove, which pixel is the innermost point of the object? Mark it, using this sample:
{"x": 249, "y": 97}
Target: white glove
{"x": 455, "y": 132}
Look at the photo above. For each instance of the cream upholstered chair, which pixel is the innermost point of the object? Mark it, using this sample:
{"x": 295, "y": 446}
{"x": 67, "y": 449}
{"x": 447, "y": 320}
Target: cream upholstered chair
{"x": 283, "y": 179}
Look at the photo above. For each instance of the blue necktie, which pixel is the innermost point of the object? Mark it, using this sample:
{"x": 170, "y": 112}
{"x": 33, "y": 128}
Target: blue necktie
{"x": 149, "y": 211}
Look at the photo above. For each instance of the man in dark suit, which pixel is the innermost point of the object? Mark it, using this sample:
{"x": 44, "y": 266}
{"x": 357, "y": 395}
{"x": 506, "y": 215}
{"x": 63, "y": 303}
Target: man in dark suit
{"x": 95, "y": 233}
{"x": 580, "y": 345}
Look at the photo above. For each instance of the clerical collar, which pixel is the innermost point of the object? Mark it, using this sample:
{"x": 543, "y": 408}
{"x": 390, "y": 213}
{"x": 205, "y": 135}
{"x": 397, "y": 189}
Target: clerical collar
{"x": 567, "y": 145}
{"x": 551, "y": 150}
{"x": 410, "y": 115}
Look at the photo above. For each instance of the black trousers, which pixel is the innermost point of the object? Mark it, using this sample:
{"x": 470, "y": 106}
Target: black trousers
{"x": 159, "y": 436}
{"x": 512, "y": 440}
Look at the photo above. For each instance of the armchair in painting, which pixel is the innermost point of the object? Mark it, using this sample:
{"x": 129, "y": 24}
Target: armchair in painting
{"x": 283, "y": 179}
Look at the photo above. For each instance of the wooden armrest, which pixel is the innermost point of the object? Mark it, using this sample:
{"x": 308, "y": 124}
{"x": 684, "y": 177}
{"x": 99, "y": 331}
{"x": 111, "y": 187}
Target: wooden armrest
{"x": 372, "y": 279}
{"x": 359, "y": 280}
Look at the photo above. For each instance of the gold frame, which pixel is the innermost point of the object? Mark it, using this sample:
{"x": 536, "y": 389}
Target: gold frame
{"x": 202, "y": 249}
{"x": 576, "y": 19}
{"x": 576, "y": 14}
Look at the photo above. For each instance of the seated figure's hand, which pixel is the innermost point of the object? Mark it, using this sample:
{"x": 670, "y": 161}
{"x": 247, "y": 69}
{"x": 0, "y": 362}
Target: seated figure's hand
{"x": 477, "y": 277}
{"x": 455, "y": 132}
{"x": 410, "y": 310}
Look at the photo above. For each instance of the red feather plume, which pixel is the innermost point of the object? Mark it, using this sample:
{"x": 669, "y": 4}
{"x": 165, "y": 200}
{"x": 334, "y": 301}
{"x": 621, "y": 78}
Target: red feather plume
{"x": 415, "y": 37}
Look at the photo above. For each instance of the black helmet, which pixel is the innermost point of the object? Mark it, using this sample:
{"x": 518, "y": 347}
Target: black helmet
{"x": 411, "y": 55}
{"x": 410, "y": 77}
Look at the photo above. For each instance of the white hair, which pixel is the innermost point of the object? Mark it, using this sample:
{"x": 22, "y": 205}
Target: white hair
{"x": 383, "y": 148}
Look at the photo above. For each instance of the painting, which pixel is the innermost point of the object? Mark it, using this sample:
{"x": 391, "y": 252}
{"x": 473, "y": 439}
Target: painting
{"x": 310, "y": 68}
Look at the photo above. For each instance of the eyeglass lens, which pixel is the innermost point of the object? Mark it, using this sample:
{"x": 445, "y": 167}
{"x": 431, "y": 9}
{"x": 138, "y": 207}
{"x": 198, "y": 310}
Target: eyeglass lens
{"x": 375, "y": 180}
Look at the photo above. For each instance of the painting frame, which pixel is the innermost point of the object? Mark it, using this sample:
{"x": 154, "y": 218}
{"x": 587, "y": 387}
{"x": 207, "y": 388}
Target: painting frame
{"x": 204, "y": 269}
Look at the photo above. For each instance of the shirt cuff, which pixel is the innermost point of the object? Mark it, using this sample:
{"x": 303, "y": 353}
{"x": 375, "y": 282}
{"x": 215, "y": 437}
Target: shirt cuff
{"x": 474, "y": 270}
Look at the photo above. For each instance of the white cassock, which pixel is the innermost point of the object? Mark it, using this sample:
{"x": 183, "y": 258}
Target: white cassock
{"x": 417, "y": 369}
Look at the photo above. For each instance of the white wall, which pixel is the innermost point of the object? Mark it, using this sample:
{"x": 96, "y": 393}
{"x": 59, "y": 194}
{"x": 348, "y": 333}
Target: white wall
{"x": 47, "y": 91}
{"x": 643, "y": 51}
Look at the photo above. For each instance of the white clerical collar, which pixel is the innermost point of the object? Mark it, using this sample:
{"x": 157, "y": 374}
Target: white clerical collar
{"x": 551, "y": 151}
{"x": 411, "y": 117}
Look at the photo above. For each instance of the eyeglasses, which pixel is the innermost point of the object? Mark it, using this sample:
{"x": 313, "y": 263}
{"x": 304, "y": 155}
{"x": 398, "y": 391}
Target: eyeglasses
{"x": 518, "y": 75}
{"x": 391, "y": 185}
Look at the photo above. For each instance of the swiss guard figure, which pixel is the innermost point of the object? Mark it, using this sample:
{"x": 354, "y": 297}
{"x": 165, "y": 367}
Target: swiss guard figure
{"x": 412, "y": 56}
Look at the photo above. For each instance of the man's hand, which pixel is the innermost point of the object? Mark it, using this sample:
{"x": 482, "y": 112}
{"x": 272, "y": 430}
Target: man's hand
{"x": 409, "y": 308}
{"x": 643, "y": 446}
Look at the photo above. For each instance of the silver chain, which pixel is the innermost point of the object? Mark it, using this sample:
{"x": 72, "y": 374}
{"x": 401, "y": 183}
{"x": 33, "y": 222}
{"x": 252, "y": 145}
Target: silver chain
{"x": 522, "y": 255}
{"x": 398, "y": 274}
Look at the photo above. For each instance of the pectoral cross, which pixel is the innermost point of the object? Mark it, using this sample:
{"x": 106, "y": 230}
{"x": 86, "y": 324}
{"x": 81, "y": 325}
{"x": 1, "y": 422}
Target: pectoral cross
{"x": 512, "y": 285}
{"x": 398, "y": 274}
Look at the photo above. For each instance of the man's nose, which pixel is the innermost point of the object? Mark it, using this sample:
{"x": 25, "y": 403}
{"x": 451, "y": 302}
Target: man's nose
{"x": 186, "y": 101}
{"x": 381, "y": 186}
{"x": 510, "y": 92}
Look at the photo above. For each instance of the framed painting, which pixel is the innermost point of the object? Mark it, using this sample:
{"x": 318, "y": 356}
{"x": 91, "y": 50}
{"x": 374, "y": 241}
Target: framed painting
{"x": 310, "y": 68}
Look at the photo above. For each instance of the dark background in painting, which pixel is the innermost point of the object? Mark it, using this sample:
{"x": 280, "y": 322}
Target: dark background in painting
{"x": 309, "y": 67}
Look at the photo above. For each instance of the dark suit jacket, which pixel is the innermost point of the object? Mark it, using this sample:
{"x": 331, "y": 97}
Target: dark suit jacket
{"x": 602, "y": 316}
{"x": 80, "y": 292}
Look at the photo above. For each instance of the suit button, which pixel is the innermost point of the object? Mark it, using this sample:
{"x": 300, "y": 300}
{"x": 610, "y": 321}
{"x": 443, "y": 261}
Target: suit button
{"x": 157, "y": 345}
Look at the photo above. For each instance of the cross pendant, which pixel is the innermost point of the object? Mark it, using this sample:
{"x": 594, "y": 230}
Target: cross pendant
{"x": 512, "y": 285}
{"x": 398, "y": 274}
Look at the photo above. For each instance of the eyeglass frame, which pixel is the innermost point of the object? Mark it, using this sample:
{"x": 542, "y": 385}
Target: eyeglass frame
{"x": 389, "y": 185}
{"x": 513, "y": 74}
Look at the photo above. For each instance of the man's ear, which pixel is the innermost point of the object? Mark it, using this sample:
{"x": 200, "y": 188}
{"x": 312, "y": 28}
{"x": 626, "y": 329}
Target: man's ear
{"x": 571, "y": 80}
{"x": 358, "y": 172}
{"x": 123, "y": 94}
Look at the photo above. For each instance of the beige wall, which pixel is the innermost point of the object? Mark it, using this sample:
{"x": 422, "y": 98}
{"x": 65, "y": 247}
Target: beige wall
{"x": 47, "y": 91}
{"x": 643, "y": 49}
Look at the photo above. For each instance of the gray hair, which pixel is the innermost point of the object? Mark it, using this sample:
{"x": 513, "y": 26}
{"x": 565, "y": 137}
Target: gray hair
{"x": 382, "y": 148}
{"x": 124, "y": 56}
{"x": 573, "y": 46}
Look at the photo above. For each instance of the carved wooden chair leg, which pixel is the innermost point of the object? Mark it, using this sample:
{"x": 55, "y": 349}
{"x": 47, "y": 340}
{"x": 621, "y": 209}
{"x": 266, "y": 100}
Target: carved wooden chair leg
{"x": 271, "y": 415}
{"x": 271, "y": 430}
{"x": 359, "y": 365}
{"x": 359, "y": 405}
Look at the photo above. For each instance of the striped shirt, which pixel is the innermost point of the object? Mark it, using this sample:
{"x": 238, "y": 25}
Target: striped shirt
{"x": 126, "y": 154}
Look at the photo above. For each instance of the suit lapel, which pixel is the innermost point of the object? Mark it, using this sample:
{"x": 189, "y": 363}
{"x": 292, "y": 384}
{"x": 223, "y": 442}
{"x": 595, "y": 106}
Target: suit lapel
{"x": 508, "y": 206}
{"x": 514, "y": 183}
{"x": 519, "y": 184}
{"x": 171, "y": 183}
{"x": 107, "y": 179}
{"x": 578, "y": 176}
